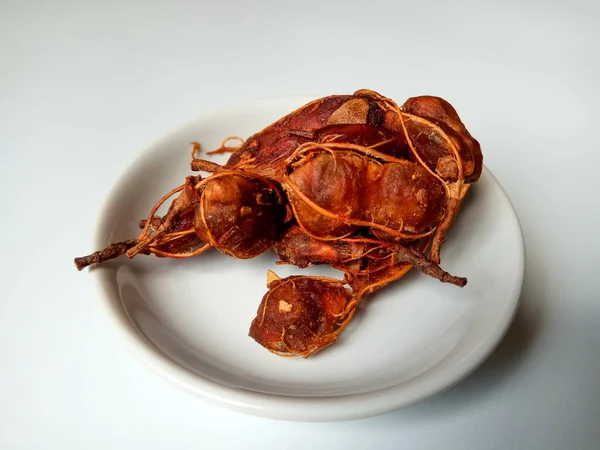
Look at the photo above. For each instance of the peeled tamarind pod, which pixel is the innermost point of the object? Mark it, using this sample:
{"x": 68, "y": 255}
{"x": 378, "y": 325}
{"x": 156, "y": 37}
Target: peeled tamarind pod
{"x": 171, "y": 236}
{"x": 330, "y": 110}
{"x": 461, "y": 166}
{"x": 298, "y": 248}
{"x": 239, "y": 213}
{"x": 301, "y": 315}
{"x": 443, "y": 114}
{"x": 440, "y": 142}
{"x": 265, "y": 151}
{"x": 367, "y": 263}
{"x": 334, "y": 189}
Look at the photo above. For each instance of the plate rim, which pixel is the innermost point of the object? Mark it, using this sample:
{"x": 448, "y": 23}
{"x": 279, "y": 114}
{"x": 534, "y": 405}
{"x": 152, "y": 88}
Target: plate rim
{"x": 283, "y": 407}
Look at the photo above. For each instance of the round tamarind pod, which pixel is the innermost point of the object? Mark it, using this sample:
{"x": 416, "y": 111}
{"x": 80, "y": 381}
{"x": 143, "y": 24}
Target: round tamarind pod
{"x": 238, "y": 213}
{"x": 300, "y": 315}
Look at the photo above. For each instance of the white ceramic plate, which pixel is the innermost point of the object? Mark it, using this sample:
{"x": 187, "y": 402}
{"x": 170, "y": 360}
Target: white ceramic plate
{"x": 189, "y": 319}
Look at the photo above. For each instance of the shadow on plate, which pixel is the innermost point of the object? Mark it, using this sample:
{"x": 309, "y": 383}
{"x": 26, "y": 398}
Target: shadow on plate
{"x": 503, "y": 364}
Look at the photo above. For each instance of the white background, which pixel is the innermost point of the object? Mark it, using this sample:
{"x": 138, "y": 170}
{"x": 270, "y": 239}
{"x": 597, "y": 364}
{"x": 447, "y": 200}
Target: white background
{"x": 84, "y": 86}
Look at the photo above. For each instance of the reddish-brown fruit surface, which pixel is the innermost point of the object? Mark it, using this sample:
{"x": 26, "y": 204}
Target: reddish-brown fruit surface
{"x": 361, "y": 258}
{"x": 334, "y": 189}
{"x": 443, "y": 114}
{"x": 352, "y": 181}
{"x": 280, "y": 139}
{"x": 301, "y": 315}
{"x": 298, "y": 248}
{"x": 239, "y": 214}
{"x": 236, "y": 212}
{"x": 383, "y": 140}
{"x": 432, "y": 129}
{"x": 170, "y": 236}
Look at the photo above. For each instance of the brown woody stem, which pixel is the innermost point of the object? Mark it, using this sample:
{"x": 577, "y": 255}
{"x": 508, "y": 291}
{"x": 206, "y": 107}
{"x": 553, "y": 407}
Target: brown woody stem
{"x": 145, "y": 240}
{"x": 107, "y": 253}
{"x": 207, "y": 166}
{"x": 422, "y": 264}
